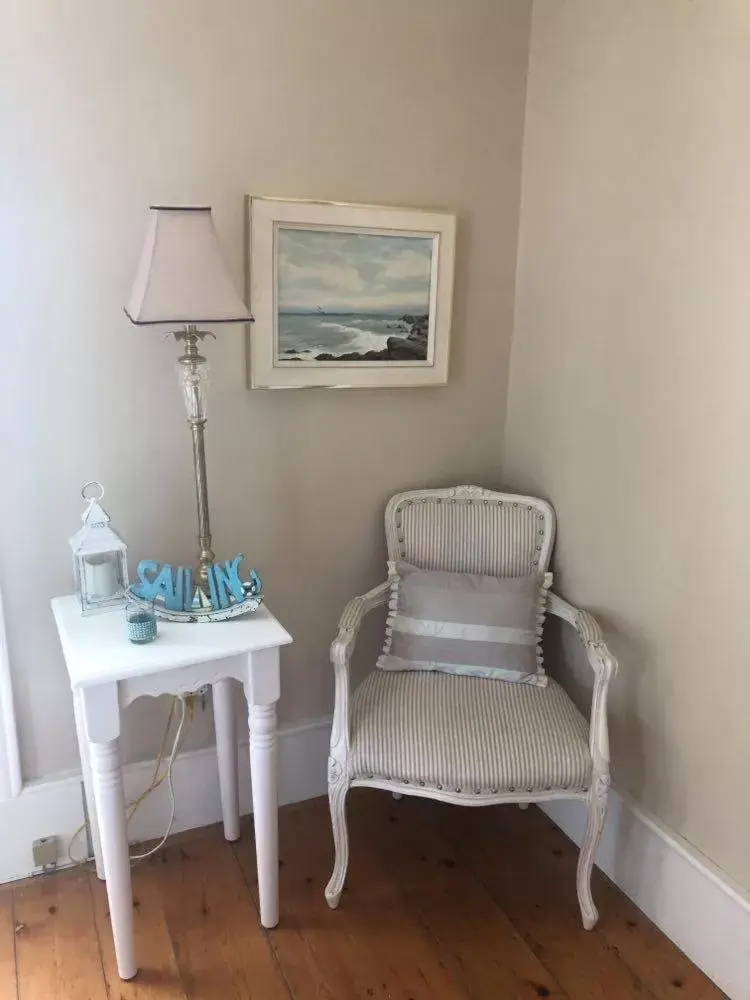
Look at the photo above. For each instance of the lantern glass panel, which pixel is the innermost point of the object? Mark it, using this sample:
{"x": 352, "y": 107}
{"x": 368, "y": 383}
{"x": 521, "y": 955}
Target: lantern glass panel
{"x": 101, "y": 580}
{"x": 99, "y": 562}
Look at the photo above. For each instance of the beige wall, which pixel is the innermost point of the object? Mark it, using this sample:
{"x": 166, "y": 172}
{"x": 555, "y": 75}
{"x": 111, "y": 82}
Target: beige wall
{"x": 107, "y": 107}
{"x": 629, "y": 403}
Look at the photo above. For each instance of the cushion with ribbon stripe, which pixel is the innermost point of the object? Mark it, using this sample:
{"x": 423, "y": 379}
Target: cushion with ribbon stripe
{"x": 466, "y": 623}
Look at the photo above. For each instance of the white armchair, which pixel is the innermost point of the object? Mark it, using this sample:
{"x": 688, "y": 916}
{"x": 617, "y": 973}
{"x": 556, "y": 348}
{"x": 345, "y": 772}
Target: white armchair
{"x": 469, "y": 740}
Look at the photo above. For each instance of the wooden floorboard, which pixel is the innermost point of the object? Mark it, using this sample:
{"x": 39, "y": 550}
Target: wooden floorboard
{"x": 533, "y": 882}
{"x": 472, "y": 934}
{"x": 372, "y": 947}
{"x": 220, "y": 948}
{"x": 57, "y": 948}
{"x": 158, "y": 975}
{"x": 441, "y": 903}
{"x": 667, "y": 972}
{"x": 8, "y": 980}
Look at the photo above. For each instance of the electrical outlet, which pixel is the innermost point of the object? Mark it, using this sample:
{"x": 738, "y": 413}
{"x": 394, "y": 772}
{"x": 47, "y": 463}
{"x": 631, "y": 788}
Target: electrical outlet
{"x": 45, "y": 853}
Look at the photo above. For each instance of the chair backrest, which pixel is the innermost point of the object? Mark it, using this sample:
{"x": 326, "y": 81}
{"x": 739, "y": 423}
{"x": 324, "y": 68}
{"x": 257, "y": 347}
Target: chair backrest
{"x": 467, "y": 529}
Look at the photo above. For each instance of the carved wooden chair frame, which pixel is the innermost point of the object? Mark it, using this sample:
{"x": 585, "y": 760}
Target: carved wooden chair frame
{"x": 603, "y": 664}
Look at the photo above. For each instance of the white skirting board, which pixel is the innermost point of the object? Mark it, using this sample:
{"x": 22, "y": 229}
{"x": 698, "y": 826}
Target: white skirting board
{"x": 687, "y": 897}
{"x": 54, "y": 806}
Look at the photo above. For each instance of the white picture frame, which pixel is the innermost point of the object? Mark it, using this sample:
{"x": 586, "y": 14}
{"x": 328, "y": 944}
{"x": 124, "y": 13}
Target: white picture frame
{"x": 347, "y": 296}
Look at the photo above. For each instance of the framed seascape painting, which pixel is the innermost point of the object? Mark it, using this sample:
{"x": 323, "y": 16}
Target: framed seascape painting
{"x": 348, "y": 295}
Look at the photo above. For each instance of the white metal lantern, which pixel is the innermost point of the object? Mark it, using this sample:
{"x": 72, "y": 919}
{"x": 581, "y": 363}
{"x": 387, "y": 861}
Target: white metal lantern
{"x": 99, "y": 557}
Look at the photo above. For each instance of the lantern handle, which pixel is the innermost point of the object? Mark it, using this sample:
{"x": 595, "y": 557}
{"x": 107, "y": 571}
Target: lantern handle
{"x": 85, "y": 486}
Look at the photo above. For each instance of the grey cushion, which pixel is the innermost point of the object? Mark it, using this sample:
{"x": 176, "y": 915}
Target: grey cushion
{"x": 467, "y": 734}
{"x": 465, "y": 623}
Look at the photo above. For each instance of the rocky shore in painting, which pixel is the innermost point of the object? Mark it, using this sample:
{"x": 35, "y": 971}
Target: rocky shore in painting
{"x": 412, "y": 347}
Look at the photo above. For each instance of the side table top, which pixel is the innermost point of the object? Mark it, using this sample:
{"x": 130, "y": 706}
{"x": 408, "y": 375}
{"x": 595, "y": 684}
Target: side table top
{"x": 97, "y": 648}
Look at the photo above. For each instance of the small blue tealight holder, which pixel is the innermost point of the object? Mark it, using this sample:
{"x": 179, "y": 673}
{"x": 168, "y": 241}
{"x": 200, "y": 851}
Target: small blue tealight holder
{"x": 140, "y": 623}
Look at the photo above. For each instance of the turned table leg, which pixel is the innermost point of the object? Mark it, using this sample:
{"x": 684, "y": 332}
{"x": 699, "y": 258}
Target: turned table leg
{"x": 226, "y": 752}
{"x": 110, "y": 808}
{"x": 263, "y": 766}
{"x": 88, "y": 783}
{"x": 262, "y": 691}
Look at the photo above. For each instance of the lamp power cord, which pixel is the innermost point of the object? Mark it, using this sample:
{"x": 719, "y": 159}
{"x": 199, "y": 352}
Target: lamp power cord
{"x": 157, "y": 779}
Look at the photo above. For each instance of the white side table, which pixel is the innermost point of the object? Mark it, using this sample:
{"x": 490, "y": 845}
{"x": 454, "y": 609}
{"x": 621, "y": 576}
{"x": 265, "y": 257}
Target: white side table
{"x": 107, "y": 672}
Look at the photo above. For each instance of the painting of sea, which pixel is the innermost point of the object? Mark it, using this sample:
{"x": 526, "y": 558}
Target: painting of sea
{"x": 352, "y": 297}
{"x": 348, "y": 296}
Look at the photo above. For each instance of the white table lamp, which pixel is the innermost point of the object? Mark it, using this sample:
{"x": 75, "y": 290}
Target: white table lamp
{"x": 182, "y": 279}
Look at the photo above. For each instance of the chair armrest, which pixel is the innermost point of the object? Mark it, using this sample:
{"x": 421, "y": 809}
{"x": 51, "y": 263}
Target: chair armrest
{"x": 590, "y": 634}
{"x": 351, "y": 619}
{"x": 341, "y": 651}
{"x": 604, "y": 665}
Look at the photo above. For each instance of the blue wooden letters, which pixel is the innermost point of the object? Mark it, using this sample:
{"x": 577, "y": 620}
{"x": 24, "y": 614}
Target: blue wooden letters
{"x": 225, "y": 581}
{"x": 175, "y": 589}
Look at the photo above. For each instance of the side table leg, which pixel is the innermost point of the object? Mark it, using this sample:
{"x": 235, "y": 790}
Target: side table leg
{"x": 88, "y": 783}
{"x": 264, "y": 767}
{"x": 262, "y": 689}
{"x": 110, "y": 807}
{"x": 226, "y": 753}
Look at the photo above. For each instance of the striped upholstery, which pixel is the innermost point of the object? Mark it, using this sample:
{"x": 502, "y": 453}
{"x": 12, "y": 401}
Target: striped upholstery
{"x": 467, "y": 734}
{"x": 495, "y": 534}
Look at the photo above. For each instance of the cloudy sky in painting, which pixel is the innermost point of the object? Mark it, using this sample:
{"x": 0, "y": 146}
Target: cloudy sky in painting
{"x": 353, "y": 272}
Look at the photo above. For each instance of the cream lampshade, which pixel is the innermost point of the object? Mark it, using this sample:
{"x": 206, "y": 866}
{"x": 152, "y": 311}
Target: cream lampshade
{"x": 181, "y": 277}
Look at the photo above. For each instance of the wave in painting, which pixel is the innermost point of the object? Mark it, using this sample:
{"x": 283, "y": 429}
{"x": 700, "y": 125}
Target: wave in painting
{"x": 319, "y": 337}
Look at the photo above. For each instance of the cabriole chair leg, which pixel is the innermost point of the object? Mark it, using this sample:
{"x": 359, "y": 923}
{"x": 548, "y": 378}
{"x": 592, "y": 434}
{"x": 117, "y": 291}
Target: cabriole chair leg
{"x": 337, "y": 803}
{"x": 597, "y": 804}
